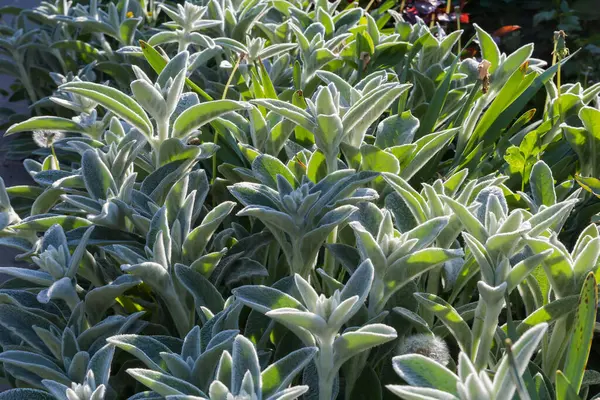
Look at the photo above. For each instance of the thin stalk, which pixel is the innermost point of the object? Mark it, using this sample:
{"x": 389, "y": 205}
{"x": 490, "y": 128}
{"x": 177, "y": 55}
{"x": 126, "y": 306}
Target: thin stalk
{"x": 402, "y": 5}
{"x": 55, "y": 158}
{"x": 369, "y": 6}
{"x": 457, "y": 14}
{"x": 216, "y": 136}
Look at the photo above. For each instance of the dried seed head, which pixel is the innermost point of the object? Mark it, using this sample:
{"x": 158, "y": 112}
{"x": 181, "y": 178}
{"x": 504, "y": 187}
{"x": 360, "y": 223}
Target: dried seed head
{"x": 427, "y": 345}
{"x": 560, "y": 45}
{"x": 483, "y": 70}
{"x": 46, "y": 138}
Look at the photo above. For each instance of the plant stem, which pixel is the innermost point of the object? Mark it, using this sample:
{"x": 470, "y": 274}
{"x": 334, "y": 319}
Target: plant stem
{"x": 369, "y": 6}
{"x": 457, "y": 14}
{"x": 55, "y": 158}
{"x": 163, "y": 129}
{"x": 325, "y": 369}
{"x": 216, "y": 136}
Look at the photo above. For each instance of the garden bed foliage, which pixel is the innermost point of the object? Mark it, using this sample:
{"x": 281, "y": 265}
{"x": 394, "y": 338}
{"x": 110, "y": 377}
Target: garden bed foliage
{"x": 283, "y": 199}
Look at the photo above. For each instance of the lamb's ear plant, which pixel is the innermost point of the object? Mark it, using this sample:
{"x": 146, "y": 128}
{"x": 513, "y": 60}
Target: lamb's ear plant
{"x": 277, "y": 200}
{"x": 317, "y": 321}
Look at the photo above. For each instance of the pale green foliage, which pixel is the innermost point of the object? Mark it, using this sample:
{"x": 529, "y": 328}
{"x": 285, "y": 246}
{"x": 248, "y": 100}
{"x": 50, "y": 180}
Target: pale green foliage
{"x": 287, "y": 199}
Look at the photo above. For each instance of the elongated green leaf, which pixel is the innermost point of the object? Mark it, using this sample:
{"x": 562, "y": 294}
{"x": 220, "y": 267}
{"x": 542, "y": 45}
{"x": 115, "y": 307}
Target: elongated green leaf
{"x": 423, "y": 372}
{"x": 449, "y": 317}
{"x": 46, "y": 123}
{"x": 201, "y": 114}
{"x": 114, "y": 100}
{"x": 583, "y": 333}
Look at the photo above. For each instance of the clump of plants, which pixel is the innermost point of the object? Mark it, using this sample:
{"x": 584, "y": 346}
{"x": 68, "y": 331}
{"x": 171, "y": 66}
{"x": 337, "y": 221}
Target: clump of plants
{"x": 299, "y": 200}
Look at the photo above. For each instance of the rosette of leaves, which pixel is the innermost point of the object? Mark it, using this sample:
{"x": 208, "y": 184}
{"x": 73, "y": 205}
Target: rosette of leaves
{"x": 317, "y": 321}
{"x": 214, "y": 367}
{"x": 332, "y": 122}
{"x": 57, "y": 267}
{"x": 398, "y": 258}
{"x": 120, "y": 24}
{"x": 187, "y": 20}
{"x": 53, "y": 350}
{"x": 236, "y": 19}
{"x": 173, "y": 246}
{"x": 495, "y": 239}
{"x": 300, "y": 215}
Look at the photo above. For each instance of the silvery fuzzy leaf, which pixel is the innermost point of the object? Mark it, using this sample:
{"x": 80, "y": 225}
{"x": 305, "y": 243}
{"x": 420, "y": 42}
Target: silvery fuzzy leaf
{"x": 351, "y": 343}
{"x": 100, "y": 299}
{"x": 245, "y": 360}
{"x": 205, "y": 365}
{"x": 173, "y": 68}
{"x": 201, "y": 114}
{"x": 34, "y": 276}
{"x": 312, "y": 241}
{"x": 195, "y": 243}
{"x": 164, "y": 384}
{"x": 396, "y": 130}
{"x": 78, "y": 366}
{"x": 58, "y": 390}
{"x": 96, "y": 175}
{"x": 150, "y": 98}
{"x": 204, "y": 293}
{"x": 265, "y": 299}
{"x": 145, "y": 348}
{"x": 267, "y": 168}
{"x": 63, "y": 289}
{"x": 55, "y": 237}
{"x": 100, "y": 364}
{"x": 243, "y": 269}
{"x": 280, "y": 374}
{"x": 29, "y": 394}
{"x": 522, "y": 349}
{"x": 147, "y": 395}
{"x": 427, "y": 147}
{"x": 255, "y": 194}
{"x": 310, "y": 378}
{"x": 40, "y": 365}
{"x": 359, "y": 285}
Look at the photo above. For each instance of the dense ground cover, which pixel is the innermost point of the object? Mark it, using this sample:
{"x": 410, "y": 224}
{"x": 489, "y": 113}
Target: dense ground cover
{"x": 283, "y": 199}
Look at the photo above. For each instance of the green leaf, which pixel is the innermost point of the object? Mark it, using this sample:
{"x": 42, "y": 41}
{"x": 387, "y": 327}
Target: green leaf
{"x": 195, "y": 243}
{"x": 542, "y": 184}
{"x": 158, "y": 63}
{"x": 113, "y": 100}
{"x": 201, "y": 114}
{"x": 364, "y": 338}
{"x": 489, "y": 48}
{"x": 264, "y": 299}
{"x": 41, "y": 223}
{"x": 583, "y": 333}
{"x": 423, "y": 372}
{"x": 145, "y": 348}
{"x": 46, "y": 123}
{"x": 449, "y": 317}
{"x": 96, "y": 175}
{"x": 164, "y": 384}
{"x": 549, "y": 313}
